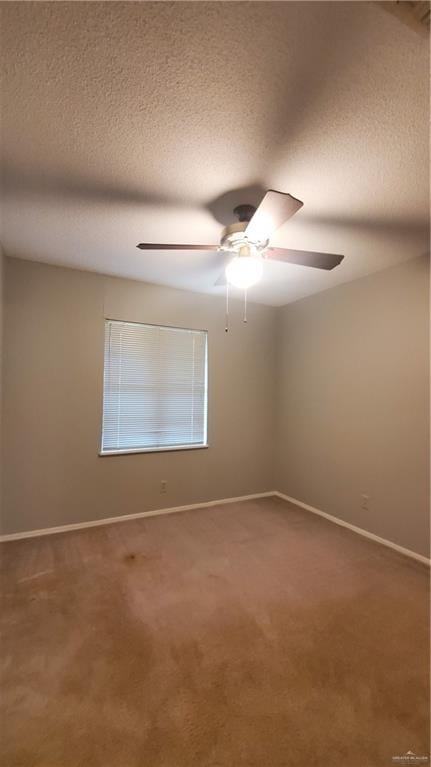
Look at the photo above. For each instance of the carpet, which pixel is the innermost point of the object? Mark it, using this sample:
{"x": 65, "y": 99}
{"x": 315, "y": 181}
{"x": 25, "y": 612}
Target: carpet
{"x": 253, "y": 634}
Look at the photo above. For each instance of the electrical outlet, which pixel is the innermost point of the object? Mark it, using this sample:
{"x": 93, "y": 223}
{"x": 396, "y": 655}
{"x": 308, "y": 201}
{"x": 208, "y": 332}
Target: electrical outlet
{"x": 163, "y": 486}
{"x": 365, "y": 503}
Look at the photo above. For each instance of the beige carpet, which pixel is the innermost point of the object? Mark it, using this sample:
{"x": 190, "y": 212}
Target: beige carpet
{"x": 248, "y": 635}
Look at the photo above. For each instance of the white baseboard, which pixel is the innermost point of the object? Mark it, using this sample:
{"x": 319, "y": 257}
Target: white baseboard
{"x": 126, "y": 517}
{"x": 207, "y": 504}
{"x": 354, "y": 529}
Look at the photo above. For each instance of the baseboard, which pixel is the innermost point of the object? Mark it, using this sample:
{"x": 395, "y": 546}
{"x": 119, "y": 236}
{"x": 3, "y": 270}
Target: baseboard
{"x": 354, "y": 529}
{"x": 126, "y": 517}
{"x": 220, "y": 502}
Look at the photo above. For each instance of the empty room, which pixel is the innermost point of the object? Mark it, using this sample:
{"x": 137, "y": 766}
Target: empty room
{"x": 215, "y": 384}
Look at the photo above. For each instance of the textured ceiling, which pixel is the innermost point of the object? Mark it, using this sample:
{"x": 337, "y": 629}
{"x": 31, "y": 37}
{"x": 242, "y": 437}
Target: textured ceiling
{"x": 126, "y": 122}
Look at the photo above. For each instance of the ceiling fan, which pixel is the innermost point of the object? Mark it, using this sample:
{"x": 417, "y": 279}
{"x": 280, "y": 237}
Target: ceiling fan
{"x": 245, "y": 244}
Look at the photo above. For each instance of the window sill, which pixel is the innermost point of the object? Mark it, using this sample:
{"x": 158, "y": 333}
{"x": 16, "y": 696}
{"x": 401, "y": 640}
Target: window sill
{"x": 132, "y": 451}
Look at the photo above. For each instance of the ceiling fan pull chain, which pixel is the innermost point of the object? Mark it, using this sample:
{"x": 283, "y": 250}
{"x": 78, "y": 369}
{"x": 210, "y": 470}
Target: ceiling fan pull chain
{"x": 245, "y": 305}
{"x": 226, "y": 330}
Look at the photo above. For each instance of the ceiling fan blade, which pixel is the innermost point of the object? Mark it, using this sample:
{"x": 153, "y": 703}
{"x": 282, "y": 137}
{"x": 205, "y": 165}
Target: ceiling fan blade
{"x": 304, "y": 257}
{"x": 173, "y": 246}
{"x": 273, "y": 211}
{"x": 221, "y": 280}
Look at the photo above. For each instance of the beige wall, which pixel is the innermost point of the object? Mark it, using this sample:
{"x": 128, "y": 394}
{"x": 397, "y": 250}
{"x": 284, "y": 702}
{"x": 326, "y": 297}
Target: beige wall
{"x": 325, "y": 400}
{"x": 2, "y": 261}
{"x": 353, "y": 402}
{"x": 53, "y": 398}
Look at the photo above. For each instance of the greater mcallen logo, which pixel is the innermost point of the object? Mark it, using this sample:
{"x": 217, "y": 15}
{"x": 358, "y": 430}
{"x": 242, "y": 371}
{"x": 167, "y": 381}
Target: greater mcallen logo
{"x": 409, "y": 758}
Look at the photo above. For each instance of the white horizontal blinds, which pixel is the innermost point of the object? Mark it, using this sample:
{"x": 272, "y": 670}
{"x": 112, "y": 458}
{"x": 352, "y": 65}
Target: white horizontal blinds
{"x": 154, "y": 387}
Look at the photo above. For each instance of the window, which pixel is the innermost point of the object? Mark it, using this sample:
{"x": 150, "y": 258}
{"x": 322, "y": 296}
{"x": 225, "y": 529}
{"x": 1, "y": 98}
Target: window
{"x": 155, "y": 388}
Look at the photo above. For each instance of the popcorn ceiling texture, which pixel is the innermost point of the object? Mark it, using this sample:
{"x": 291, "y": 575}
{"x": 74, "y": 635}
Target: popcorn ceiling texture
{"x": 127, "y": 121}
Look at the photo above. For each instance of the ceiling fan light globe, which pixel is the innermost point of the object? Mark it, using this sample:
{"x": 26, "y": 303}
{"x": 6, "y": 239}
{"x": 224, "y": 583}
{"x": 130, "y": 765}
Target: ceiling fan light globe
{"x": 244, "y": 271}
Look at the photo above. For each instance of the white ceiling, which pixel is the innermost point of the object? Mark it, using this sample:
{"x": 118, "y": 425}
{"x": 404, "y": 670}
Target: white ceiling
{"x": 128, "y": 122}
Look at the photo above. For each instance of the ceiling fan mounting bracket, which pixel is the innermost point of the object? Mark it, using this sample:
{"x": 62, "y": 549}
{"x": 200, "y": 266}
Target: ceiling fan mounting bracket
{"x": 244, "y": 212}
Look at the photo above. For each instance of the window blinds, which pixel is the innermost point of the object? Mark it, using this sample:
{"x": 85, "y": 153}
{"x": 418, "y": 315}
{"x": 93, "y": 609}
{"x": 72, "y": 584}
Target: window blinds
{"x": 155, "y": 387}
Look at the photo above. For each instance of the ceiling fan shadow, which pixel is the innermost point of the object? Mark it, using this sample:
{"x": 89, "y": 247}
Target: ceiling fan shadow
{"x": 408, "y": 226}
{"x": 32, "y": 183}
{"x": 222, "y": 207}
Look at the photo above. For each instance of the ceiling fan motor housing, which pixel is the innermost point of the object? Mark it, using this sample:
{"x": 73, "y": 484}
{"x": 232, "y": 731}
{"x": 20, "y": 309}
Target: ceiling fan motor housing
{"x": 234, "y": 237}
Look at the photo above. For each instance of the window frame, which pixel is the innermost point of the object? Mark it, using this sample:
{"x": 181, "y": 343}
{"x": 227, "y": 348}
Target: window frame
{"x": 164, "y": 448}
